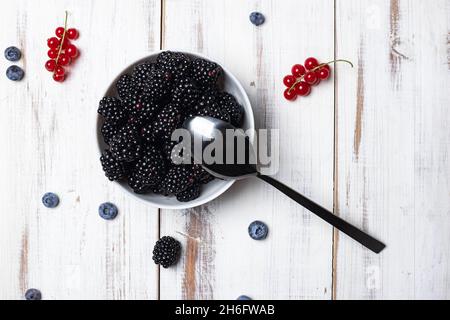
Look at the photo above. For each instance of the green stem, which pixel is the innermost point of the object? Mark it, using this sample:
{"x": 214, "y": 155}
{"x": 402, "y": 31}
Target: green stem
{"x": 317, "y": 68}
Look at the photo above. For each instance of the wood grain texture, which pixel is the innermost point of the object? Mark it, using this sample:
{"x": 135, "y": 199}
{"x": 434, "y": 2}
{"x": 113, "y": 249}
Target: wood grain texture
{"x": 393, "y": 138}
{"x": 220, "y": 260}
{"x": 49, "y": 144}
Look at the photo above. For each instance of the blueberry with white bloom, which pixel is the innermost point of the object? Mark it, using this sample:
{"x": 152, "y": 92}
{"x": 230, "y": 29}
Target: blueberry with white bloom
{"x": 108, "y": 211}
{"x": 12, "y": 54}
{"x": 33, "y": 294}
{"x": 15, "y": 73}
{"x": 258, "y": 230}
{"x": 257, "y": 18}
{"x": 50, "y": 200}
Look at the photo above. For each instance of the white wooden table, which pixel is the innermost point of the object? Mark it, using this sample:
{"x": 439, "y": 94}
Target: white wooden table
{"x": 373, "y": 145}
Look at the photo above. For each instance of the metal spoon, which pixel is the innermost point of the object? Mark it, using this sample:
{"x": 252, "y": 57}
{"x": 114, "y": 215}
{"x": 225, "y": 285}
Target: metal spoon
{"x": 207, "y": 129}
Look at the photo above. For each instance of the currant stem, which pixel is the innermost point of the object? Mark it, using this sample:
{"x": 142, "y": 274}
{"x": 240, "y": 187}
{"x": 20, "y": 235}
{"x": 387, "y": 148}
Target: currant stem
{"x": 317, "y": 68}
{"x": 62, "y": 39}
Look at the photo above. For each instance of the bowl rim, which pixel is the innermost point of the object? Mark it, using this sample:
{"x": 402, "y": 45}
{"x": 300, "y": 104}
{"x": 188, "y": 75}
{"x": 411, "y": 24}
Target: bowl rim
{"x": 226, "y": 184}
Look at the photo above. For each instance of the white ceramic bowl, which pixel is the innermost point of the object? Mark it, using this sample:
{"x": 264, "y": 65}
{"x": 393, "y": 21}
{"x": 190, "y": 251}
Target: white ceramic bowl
{"x": 209, "y": 191}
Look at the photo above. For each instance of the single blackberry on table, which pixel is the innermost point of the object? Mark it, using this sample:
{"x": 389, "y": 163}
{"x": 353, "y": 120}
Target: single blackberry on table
{"x": 124, "y": 86}
{"x": 178, "y": 179}
{"x": 158, "y": 84}
{"x": 205, "y": 73}
{"x": 166, "y": 251}
{"x": 114, "y": 169}
{"x": 176, "y": 63}
{"x": 150, "y": 168}
{"x": 125, "y": 146}
{"x": 112, "y": 110}
{"x": 166, "y": 122}
{"x": 185, "y": 93}
{"x": 108, "y": 131}
{"x": 189, "y": 194}
{"x": 140, "y": 75}
{"x": 229, "y": 104}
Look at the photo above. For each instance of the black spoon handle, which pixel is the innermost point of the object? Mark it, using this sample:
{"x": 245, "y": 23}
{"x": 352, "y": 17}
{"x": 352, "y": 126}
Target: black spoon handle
{"x": 360, "y": 236}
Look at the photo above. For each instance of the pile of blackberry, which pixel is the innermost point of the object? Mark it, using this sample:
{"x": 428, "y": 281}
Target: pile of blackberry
{"x": 151, "y": 103}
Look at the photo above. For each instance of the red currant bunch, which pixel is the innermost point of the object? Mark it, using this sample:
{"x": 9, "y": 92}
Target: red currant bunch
{"x": 61, "y": 51}
{"x": 303, "y": 77}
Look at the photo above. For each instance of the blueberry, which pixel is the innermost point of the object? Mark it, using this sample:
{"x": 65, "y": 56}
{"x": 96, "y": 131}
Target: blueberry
{"x": 257, "y": 18}
{"x": 15, "y": 73}
{"x": 50, "y": 200}
{"x": 258, "y": 230}
{"x": 107, "y": 211}
{"x": 12, "y": 54}
{"x": 33, "y": 294}
{"x": 244, "y": 298}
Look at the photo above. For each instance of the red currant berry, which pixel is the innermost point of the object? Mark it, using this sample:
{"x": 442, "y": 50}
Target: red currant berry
{"x": 59, "y": 32}
{"x": 71, "y": 51}
{"x": 72, "y": 33}
{"x": 59, "y": 78}
{"x": 289, "y": 80}
{"x": 52, "y": 53}
{"x": 53, "y": 42}
{"x": 64, "y": 60}
{"x": 326, "y": 66}
{"x": 59, "y": 71}
{"x": 50, "y": 65}
{"x": 311, "y": 78}
{"x": 290, "y": 94}
{"x": 298, "y": 70}
{"x": 323, "y": 74}
{"x": 302, "y": 88}
{"x": 66, "y": 43}
{"x": 311, "y": 63}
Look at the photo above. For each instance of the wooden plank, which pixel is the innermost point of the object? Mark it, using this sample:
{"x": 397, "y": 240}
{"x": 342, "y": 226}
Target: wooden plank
{"x": 393, "y": 146}
{"x": 219, "y": 259}
{"x": 49, "y": 144}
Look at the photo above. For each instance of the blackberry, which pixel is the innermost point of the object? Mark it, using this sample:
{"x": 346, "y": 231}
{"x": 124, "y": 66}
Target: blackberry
{"x": 112, "y": 110}
{"x": 205, "y": 73}
{"x": 178, "y": 179}
{"x": 157, "y": 85}
{"x": 108, "y": 131}
{"x": 150, "y": 168}
{"x": 114, "y": 169}
{"x": 124, "y": 86}
{"x": 147, "y": 134}
{"x": 215, "y": 112}
{"x": 229, "y": 104}
{"x": 185, "y": 93}
{"x": 189, "y": 194}
{"x": 166, "y": 122}
{"x": 166, "y": 251}
{"x": 206, "y": 100}
{"x": 138, "y": 184}
{"x": 173, "y": 151}
{"x": 140, "y": 75}
{"x": 201, "y": 175}
{"x": 125, "y": 145}
{"x": 141, "y": 109}
{"x": 176, "y": 63}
